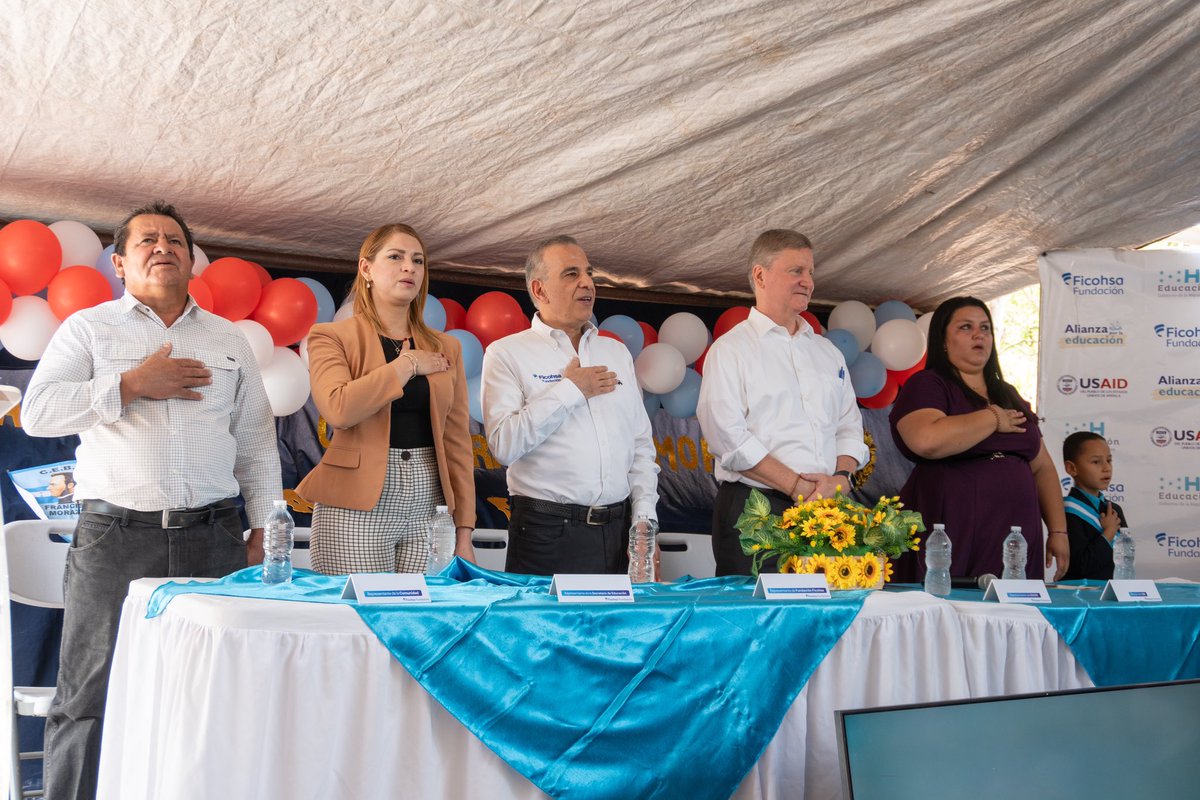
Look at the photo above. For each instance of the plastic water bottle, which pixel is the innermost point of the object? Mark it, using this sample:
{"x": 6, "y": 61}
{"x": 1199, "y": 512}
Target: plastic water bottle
{"x": 1016, "y": 552}
{"x": 1123, "y": 556}
{"x": 441, "y": 533}
{"x": 937, "y": 562}
{"x": 642, "y": 536}
{"x": 277, "y": 545}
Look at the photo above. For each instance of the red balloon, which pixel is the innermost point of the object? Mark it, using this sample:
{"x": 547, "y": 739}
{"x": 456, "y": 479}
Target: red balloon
{"x": 5, "y": 302}
{"x": 650, "y": 335}
{"x": 495, "y": 315}
{"x": 456, "y": 315}
{"x": 235, "y": 287}
{"x": 886, "y": 396}
{"x": 610, "y": 335}
{"x": 812, "y": 320}
{"x": 900, "y": 376}
{"x": 729, "y": 317}
{"x": 699, "y": 365}
{"x": 287, "y": 309}
{"x": 77, "y": 288}
{"x": 200, "y": 292}
{"x": 30, "y": 255}
{"x": 264, "y": 277}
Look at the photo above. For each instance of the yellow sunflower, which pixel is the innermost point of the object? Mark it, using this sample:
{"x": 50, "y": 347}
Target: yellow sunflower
{"x": 818, "y": 563}
{"x": 791, "y": 517}
{"x": 868, "y": 572}
{"x": 841, "y": 537}
{"x": 844, "y": 572}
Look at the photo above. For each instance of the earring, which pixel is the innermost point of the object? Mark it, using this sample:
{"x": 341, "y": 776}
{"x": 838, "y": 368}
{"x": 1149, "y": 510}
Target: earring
{"x": 369, "y": 284}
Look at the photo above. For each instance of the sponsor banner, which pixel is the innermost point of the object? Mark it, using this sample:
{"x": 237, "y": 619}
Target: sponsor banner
{"x": 1120, "y": 357}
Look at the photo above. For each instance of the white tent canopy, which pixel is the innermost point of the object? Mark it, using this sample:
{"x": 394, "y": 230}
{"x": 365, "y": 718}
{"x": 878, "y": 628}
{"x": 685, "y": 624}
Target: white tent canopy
{"x": 929, "y": 147}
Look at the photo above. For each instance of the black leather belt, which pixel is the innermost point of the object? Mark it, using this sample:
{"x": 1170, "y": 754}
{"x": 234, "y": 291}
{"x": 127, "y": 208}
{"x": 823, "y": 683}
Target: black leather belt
{"x": 168, "y": 518}
{"x": 590, "y": 515}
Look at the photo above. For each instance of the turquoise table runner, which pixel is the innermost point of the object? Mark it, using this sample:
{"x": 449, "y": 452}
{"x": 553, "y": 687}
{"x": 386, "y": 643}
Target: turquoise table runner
{"x": 1121, "y": 643}
{"x": 675, "y": 695}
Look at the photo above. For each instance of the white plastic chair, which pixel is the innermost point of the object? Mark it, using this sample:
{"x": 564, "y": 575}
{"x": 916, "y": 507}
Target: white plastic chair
{"x": 685, "y": 554}
{"x": 491, "y": 547}
{"x": 31, "y": 572}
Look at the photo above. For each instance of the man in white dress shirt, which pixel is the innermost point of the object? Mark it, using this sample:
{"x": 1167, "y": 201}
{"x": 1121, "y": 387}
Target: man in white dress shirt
{"x": 776, "y": 404}
{"x": 563, "y": 411}
{"x": 173, "y": 423}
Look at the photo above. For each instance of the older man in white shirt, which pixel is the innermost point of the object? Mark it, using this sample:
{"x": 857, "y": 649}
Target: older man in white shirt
{"x": 776, "y": 404}
{"x": 563, "y": 411}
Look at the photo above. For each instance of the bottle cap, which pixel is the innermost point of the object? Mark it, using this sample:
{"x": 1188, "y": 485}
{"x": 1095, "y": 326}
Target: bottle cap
{"x": 939, "y": 526}
{"x": 443, "y": 509}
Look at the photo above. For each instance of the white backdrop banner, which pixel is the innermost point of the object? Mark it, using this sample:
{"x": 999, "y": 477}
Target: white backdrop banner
{"x": 1120, "y": 355}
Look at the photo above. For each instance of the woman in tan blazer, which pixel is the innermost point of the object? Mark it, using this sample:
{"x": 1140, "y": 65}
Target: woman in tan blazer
{"x": 395, "y": 393}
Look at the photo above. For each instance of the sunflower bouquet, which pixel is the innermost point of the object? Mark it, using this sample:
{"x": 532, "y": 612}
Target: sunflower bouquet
{"x": 847, "y": 541}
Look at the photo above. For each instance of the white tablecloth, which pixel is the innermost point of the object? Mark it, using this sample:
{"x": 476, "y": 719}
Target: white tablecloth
{"x": 234, "y": 698}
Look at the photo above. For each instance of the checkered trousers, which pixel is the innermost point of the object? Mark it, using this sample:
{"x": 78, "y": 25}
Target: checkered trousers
{"x": 390, "y": 537}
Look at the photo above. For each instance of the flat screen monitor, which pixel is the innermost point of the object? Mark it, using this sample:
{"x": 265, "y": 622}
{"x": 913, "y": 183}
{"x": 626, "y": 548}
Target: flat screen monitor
{"x": 1123, "y": 742}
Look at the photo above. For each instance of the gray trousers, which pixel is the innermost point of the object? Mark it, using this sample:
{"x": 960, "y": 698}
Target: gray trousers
{"x": 106, "y": 554}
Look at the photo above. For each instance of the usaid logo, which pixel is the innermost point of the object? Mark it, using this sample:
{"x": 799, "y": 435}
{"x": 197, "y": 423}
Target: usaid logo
{"x": 1183, "y": 438}
{"x": 1094, "y": 386}
{"x": 1179, "y": 283}
{"x": 1094, "y": 284}
{"x": 1177, "y": 336}
{"x": 1067, "y": 384}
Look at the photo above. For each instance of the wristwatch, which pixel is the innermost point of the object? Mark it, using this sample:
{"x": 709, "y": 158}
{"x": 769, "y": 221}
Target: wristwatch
{"x": 845, "y": 473}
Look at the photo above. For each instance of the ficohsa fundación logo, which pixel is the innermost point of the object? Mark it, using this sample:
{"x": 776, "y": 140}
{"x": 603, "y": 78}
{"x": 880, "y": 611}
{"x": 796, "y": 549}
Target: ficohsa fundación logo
{"x": 1102, "y": 284}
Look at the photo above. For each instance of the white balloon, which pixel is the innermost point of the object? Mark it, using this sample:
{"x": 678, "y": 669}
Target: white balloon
{"x": 345, "y": 312}
{"x": 200, "y": 261}
{"x": 286, "y": 382}
{"x": 923, "y": 323}
{"x": 28, "y": 328}
{"x": 660, "y": 368}
{"x": 80, "y": 244}
{"x": 856, "y": 317}
{"x": 261, "y": 343}
{"x": 687, "y": 333}
{"x": 899, "y": 344}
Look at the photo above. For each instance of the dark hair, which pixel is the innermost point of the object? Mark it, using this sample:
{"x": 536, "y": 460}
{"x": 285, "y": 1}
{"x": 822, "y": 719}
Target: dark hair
{"x": 999, "y": 390}
{"x": 68, "y": 477}
{"x": 1075, "y": 442}
{"x": 770, "y": 244}
{"x": 159, "y": 208}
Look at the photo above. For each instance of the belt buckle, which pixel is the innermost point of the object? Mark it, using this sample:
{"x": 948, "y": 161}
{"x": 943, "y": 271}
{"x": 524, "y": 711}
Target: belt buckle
{"x": 591, "y": 521}
{"x": 166, "y": 518}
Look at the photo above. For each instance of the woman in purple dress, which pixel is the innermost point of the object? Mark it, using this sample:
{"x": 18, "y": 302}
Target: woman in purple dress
{"x": 981, "y": 466}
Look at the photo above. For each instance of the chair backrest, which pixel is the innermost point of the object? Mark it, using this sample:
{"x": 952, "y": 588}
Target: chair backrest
{"x": 36, "y": 562}
{"x": 686, "y": 554}
{"x": 491, "y": 547}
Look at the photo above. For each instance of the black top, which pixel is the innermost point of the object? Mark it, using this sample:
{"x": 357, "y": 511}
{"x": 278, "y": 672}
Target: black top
{"x": 410, "y": 414}
{"x": 1091, "y": 553}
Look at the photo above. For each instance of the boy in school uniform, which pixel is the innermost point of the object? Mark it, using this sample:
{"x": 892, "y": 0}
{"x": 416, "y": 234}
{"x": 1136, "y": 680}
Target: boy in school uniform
{"x": 1092, "y": 521}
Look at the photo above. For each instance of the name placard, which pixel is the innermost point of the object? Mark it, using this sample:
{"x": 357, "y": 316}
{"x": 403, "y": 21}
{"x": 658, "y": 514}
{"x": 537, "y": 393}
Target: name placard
{"x": 592, "y": 588}
{"x": 776, "y": 586}
{"x": 385, "y": 587}
{"x": 1017, "y": 591}
{"x": 1131, "y": 591}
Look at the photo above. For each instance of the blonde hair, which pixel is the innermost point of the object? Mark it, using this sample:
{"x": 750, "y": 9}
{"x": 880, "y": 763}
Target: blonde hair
{"x": 770, "y": 244}
{"x": 364, "y": 303}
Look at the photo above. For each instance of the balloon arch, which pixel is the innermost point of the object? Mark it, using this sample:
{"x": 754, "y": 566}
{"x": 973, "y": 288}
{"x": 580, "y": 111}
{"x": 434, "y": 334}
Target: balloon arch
{"x": 48, "y": 272}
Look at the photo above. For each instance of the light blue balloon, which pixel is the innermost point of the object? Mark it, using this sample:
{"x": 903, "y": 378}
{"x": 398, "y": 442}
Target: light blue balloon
{"x": 681, "y": 401}
{"x": 326, "y": 308}
{"x": 868, "y": 375}
{"x": 474, "y": 401}
{"x": 846, "y": 342}
{"x": 653, "y": 403}
{"x": 434, "y": 314}
{"x": 472, "y": 351}
{"x": 893, "y": 309}
{"x": 628, "y": 329}
{"x": 104, "y": 266}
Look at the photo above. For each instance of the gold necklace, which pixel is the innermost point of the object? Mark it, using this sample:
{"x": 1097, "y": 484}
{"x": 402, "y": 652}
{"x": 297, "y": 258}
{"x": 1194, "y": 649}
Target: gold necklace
{"x": 398, "y": 345}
